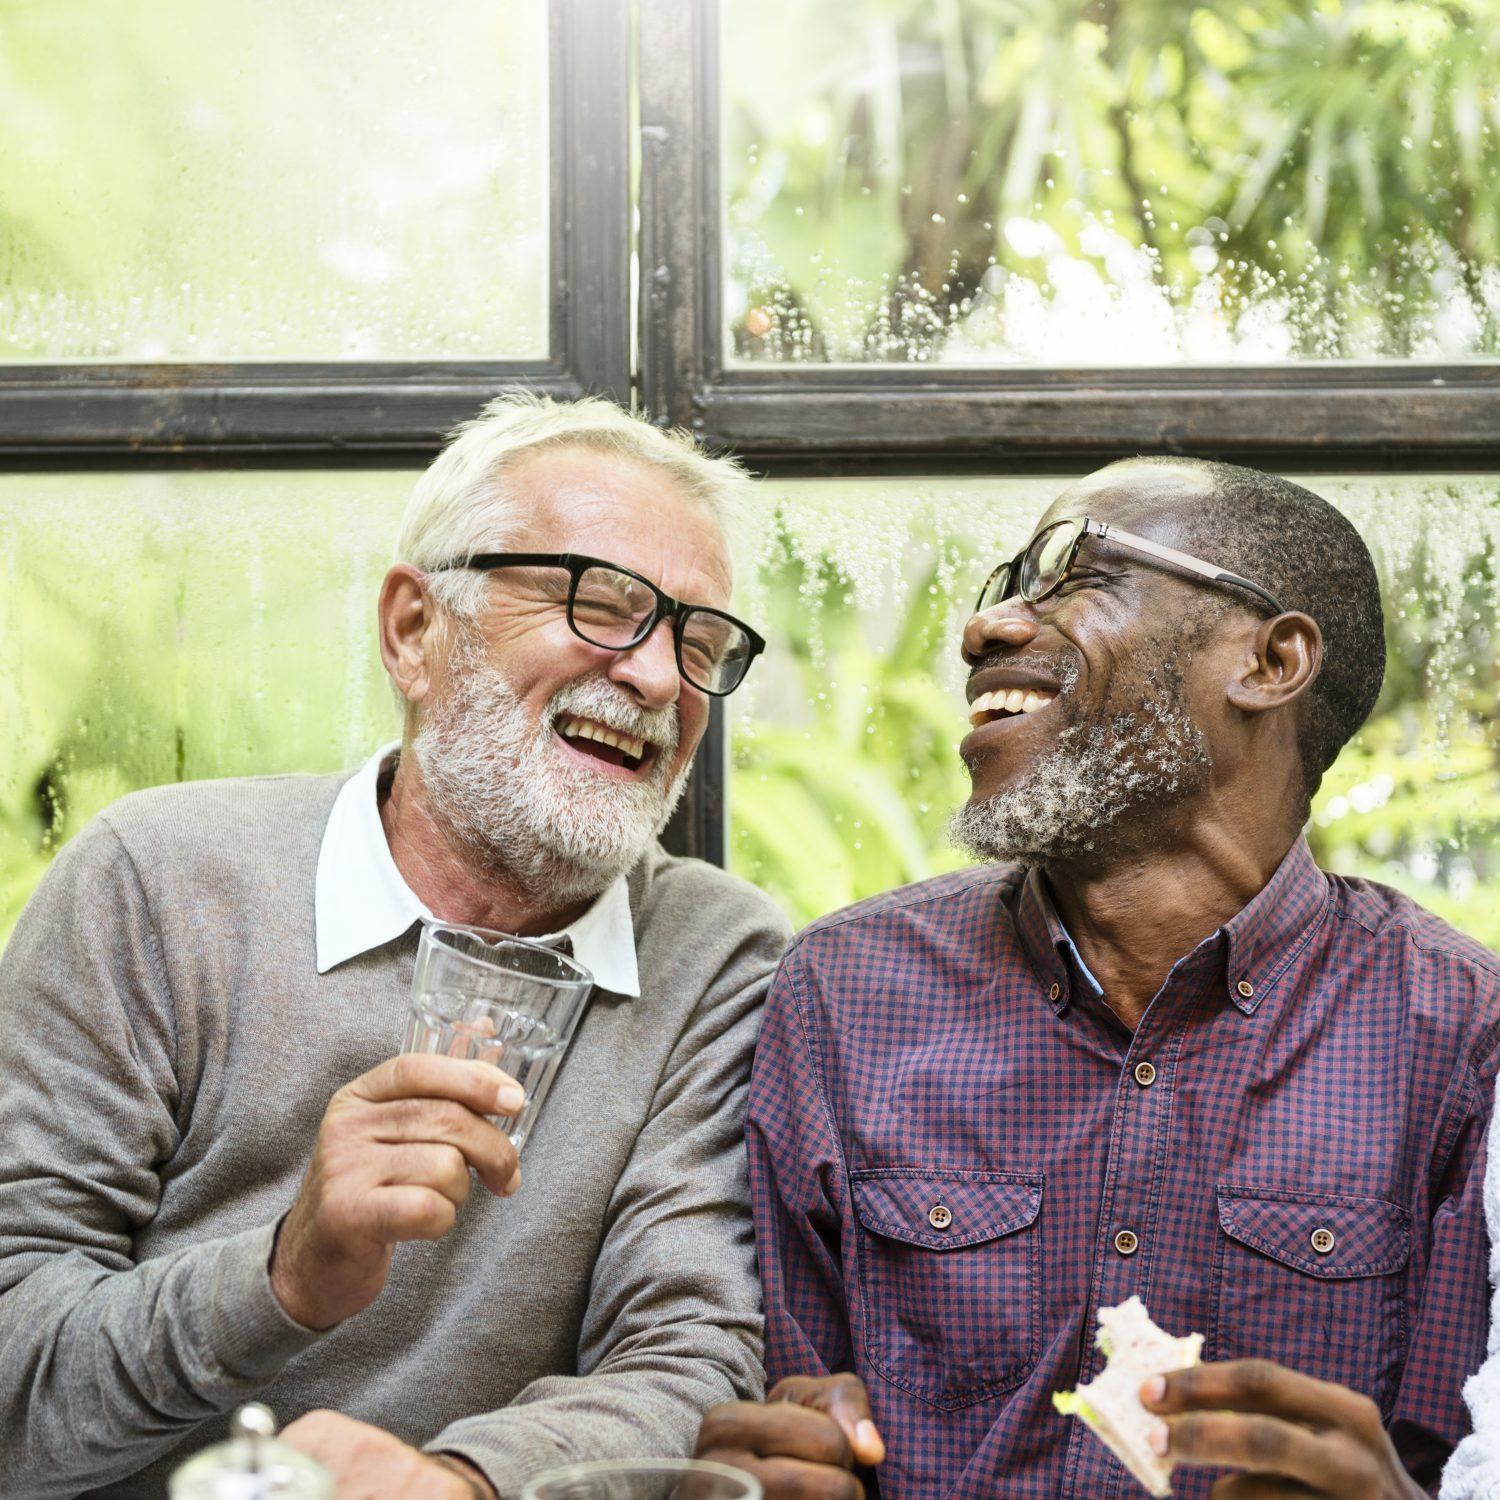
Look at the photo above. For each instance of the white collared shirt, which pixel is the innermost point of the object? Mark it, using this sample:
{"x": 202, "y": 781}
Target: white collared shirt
{"x": 361, "y": 902}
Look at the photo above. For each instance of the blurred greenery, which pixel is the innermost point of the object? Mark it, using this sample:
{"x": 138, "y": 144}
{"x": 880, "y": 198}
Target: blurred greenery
{"x": 1113, "y": 181}
{"x": 268, "y": 179}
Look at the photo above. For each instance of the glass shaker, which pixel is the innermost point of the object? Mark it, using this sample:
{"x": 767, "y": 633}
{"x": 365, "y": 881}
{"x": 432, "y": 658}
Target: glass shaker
{"x": 252, "y": 1465}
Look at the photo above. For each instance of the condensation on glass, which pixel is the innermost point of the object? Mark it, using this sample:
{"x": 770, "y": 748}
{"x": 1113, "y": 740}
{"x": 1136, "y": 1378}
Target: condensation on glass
{"x": 273, "y": 180}
{"x": 1068, "y": 184}
{"x": 172, "y": 627}
{"x": 845, "y": 770}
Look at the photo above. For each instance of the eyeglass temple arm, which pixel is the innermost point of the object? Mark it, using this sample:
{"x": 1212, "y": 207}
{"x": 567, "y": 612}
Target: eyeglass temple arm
{"x": 1106, "y": 532}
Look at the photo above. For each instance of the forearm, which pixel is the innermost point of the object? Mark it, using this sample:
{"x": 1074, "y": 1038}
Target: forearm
{"x": 101, "y": 1371}
{"x": 645, "y": 1404}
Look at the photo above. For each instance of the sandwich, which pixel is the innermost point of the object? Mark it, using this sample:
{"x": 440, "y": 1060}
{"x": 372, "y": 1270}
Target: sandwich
{"x": 1110, "y": 1405}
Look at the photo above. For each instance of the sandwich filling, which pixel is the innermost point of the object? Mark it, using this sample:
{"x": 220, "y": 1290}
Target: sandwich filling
{"x": 1110, "y": 1405}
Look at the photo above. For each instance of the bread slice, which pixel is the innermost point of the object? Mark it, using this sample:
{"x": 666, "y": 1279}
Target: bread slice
{"x": 1110, "y": 1404}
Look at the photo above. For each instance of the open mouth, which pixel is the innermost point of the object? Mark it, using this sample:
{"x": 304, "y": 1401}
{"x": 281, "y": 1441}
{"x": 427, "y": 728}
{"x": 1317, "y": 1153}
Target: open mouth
{"x": 988, "y": 708}
{"x": 614, "y": 747}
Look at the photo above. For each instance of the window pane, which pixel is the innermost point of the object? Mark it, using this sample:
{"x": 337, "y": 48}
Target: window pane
{"x": 273, "y": 179}
{"x": 1065, "y": 184}
{"x": 170, "y": 627}
{"x": 845, "y": 769}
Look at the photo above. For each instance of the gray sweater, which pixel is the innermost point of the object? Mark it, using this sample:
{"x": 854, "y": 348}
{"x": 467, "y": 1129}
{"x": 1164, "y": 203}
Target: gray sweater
{"x": 167, "y": 1050}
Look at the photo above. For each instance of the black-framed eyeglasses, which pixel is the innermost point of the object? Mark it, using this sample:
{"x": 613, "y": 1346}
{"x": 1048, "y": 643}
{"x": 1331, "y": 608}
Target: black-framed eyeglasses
{"x": 1042, "y": 566}
{"x": 610, "y": 606}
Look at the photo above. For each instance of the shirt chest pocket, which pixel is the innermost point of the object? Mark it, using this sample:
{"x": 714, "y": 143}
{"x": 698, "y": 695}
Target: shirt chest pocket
{"x": 950, "y": 1280}
{"x": 1313, "y": 1281}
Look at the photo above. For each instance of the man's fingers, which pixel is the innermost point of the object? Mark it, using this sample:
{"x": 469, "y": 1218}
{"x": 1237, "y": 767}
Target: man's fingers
{"x": 1259, "y": 1487}
{"x": 420, "y": 1075}
{"x": 1258, "y": 1385}
{"x": 844, "y": 1398}
{"x": 428, "y": 1164}
{"x": 484, "y": 1146}
{"x": 774, "y": 1430}
{"x": 1265, "y": 1445}
{"x": 794, "y": 1479}
{"x": 410, "y": 1213}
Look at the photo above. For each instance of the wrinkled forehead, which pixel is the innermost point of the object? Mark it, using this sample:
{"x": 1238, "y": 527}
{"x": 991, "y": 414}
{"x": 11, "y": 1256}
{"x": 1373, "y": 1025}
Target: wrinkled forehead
{"x": 1156, "y": 501}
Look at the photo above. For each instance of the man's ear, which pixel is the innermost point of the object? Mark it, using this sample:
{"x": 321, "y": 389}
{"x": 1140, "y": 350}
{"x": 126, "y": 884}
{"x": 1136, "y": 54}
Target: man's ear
{"x": 409, "y": 631}
{"x": 1285, "y": 656}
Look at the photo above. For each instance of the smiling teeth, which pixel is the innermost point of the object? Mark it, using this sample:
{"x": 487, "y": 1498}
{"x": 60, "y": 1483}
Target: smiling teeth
{"x": 1012, "y": 701}
{"x": 586, "y": 729}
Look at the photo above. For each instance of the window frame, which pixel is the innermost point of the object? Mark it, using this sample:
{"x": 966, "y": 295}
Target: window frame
{"x": 72, "y": 415}
{"x": 814, "y": 418}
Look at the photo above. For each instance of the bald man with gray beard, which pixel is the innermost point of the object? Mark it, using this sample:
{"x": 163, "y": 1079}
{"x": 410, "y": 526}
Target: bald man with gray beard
{"x": 1148, "y": 1049}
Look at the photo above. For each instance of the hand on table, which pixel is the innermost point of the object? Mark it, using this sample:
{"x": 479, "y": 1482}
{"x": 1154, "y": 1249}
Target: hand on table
{"x": 368, "y": 1463}
{"x": 391, "y": 1163}
{"x": 1286, "y": 1433}
{"x": 802, "y": 1441}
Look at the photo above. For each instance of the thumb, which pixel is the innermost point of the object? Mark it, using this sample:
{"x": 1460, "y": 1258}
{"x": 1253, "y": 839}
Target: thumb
{"x": 848, "y": 1404}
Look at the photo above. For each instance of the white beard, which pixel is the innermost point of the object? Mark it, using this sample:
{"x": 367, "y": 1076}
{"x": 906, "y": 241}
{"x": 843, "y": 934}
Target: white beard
{"x": 499, "y": 782}
{"x": 1102, "y": 788}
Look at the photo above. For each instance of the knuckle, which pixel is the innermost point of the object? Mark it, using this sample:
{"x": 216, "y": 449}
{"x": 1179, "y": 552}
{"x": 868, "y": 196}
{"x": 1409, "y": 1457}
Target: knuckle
{"x": 1367, "y": 1415}
{"x": 403, "y": 1072}
{"x": 1258, "y": 1377}
{"x": 1266, "y": 1442}
{"x": 448, "y": 1117}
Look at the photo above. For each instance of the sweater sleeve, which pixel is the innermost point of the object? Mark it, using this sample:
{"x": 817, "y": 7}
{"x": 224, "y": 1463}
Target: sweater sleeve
{"x": 673, "y": 1324}
{"x": 1473, "y": 1472}
{"x": 105, "y": 1363}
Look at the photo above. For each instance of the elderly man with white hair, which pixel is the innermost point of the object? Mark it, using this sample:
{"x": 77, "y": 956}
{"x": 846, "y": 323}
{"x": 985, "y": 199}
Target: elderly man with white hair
{"x": 216, "y": 1181}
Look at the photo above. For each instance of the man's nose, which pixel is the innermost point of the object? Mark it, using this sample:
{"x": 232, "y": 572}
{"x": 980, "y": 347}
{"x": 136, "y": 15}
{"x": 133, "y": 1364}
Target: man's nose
{"x": 1008, "y": 624}
{"x": 649, "y": 671}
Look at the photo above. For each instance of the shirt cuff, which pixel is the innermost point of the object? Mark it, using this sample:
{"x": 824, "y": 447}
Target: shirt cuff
{"x": 250, "y": 1336}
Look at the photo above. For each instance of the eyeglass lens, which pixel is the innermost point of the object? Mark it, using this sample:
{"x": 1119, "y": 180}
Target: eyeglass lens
{"x": 612, "y": 609}
{"x": 1036, "y": 571}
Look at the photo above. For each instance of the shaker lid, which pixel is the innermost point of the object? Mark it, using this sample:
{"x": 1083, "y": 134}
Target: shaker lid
{"x": 252, "y": 1465}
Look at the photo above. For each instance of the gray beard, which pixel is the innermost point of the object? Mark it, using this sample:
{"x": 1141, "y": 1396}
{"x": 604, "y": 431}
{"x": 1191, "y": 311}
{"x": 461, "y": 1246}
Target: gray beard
{"x": 497, "y": 781}
{"x": 1102, "y": 789}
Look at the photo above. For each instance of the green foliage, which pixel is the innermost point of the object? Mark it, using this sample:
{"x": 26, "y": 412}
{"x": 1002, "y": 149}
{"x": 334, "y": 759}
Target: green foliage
{"x": 174, "y": 628}
{"x": 1326, "y": 165}
{"x": 853, "y": 799}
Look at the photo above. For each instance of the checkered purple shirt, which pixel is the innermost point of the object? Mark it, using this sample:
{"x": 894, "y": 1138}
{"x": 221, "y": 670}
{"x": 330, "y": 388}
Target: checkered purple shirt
{"x": 958, "y": 1155}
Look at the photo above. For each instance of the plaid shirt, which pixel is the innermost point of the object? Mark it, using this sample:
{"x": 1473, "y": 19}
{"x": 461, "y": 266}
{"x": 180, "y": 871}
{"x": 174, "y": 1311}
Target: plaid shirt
{"x": 959, "y": 1155}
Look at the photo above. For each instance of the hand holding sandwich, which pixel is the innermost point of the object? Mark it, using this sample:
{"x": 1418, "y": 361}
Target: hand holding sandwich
{"x": 1286, "y": 1433}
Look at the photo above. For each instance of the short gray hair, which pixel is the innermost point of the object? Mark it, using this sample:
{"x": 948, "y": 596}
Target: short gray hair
{"x": 461, "y": 504}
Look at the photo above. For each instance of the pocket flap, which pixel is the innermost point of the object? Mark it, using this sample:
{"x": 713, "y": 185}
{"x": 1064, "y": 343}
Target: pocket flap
{"x": 1324, "y": 1234}
{"x": 945, "y": 1210}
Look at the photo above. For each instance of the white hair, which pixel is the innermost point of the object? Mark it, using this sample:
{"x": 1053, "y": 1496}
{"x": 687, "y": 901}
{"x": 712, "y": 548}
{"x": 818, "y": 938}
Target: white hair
{"x": 461, "y": 505}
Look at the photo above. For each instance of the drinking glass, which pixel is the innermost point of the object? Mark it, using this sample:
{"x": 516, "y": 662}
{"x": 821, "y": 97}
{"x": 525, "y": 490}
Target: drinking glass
{"x": 644, "y": 1479}
{"x": 496, "y": 999}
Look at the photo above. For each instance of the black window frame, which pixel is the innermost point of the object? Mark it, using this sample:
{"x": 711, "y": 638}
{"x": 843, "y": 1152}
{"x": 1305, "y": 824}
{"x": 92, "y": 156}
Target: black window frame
{"x": 393, "y": 412}
{"x": 820, "y": 419}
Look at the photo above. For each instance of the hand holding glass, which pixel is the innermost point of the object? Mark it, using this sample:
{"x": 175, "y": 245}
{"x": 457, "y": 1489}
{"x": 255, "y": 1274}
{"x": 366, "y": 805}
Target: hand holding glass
{"x": 497, "y": 999}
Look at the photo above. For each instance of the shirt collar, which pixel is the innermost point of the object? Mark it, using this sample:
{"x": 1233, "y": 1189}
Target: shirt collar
{"x": 1272, "y": 927}
{"x": 1254, "y": 946}
{"x": 361, "y": 901}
